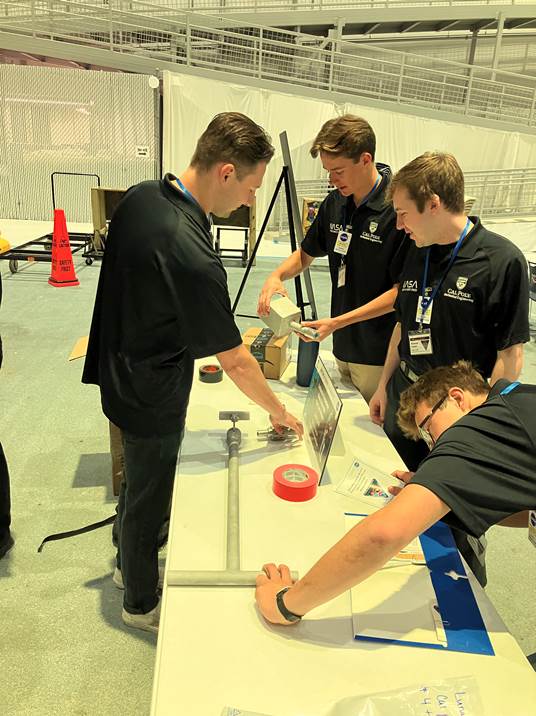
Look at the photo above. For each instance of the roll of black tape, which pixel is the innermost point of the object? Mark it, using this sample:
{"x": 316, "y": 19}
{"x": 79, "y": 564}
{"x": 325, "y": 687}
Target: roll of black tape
{"x": 210, "y": 374}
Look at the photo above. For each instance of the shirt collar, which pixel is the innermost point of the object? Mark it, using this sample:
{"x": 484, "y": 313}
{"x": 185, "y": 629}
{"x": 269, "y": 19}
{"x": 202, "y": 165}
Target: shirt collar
{"x": 183, "y": 202}
{"x": 377, "y": 201}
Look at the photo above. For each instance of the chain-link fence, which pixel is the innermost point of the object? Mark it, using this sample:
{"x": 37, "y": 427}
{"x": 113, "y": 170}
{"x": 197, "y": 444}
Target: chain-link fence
{"x": 72, "y": 121}
{"x": 227, "y": 45}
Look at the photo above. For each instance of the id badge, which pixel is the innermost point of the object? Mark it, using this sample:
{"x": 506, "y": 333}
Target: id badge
{"x": 341, "y": 278}
{"x": 532, "y": 527}
{"x": 343, "y": 242}
{"x": 420, "y": 342}
{"x": 426, "y": 319}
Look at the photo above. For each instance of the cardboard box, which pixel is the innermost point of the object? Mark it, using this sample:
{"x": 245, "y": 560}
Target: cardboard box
{"x": 272, "y": 354}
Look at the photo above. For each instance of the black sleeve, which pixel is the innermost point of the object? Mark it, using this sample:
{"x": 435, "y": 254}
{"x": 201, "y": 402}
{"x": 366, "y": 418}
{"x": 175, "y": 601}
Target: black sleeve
{"x": 509, "y": 302}
{"x": 206, "y": 317}
{"x": 314, "y": 244}
{"x": 481, "y": 485}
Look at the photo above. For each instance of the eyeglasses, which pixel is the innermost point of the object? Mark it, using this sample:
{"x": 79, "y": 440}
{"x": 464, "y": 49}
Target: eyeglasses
{"x": 423, "y": 432}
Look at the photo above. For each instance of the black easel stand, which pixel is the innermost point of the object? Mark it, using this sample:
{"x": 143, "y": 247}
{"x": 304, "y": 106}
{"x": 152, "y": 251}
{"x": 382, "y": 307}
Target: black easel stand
{"x": 307, "y": 351}
{"x": 283, "y": 178}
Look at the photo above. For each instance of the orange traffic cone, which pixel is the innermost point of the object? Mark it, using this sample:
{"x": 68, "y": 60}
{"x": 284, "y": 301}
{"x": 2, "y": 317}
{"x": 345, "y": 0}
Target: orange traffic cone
{"x": 62, "y": 273}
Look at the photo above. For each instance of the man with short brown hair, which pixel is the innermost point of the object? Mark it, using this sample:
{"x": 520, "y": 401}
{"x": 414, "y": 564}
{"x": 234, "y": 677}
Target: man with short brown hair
{"x": 162, "y": 301}
{"x": 356, "y": 229}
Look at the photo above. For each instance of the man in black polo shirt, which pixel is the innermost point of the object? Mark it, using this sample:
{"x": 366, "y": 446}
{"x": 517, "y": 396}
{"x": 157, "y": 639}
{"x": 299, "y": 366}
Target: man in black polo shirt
{"x": 162, "y": 301}
{"x": 476, "y": 475}
{"x": 357, "y": 230}
{"x": 473, "y": 284}
{"x": 463, "y": 295}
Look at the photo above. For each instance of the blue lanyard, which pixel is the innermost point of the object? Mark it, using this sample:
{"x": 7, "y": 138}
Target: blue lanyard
{"x": 425, "y": 302}
{"x": 509, "y": 388}
{"x": 186, "y": 192}
{"x": 191, "y": 197}
{"x": 363, "y": 201}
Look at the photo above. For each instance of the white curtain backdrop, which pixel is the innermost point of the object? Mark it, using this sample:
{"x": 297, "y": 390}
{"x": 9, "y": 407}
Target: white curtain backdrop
{"x": 191, "y": 102}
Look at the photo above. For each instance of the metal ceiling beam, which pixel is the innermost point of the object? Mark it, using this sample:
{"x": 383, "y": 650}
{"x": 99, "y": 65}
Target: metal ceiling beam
{"x": 410, "y": 27}
{"x": 448, "y": 26}
{"x": 371, "y": 28}
{"x": 523, "y": 23}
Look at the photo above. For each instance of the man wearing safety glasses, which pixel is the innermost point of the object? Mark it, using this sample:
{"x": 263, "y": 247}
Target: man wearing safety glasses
{"x": 481, "y": 471}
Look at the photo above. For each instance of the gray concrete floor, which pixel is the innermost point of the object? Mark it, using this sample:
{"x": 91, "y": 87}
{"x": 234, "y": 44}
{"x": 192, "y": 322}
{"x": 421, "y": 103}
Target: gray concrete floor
{"x": 63, "y": 647}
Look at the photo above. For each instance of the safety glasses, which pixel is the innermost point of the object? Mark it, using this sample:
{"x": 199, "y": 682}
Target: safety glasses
{"x": 423, "y": 432}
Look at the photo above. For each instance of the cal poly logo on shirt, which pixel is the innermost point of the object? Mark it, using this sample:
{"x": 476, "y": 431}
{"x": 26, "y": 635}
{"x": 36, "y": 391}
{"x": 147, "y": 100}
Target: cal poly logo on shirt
{"x": 460, "y": 294}
{"x": 371, "y": 234}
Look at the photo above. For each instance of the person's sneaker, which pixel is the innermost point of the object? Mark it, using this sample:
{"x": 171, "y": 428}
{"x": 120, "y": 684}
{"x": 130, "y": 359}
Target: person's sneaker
{"x": 6, "y": 544}
{"x": 146, "y": 622}
{"x": 118, "y": 578}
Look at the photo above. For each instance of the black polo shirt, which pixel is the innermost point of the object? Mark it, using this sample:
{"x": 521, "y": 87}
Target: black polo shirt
{"x": 481, "y": 307}
{"x": 162, "y": 301}
{"x": 374, "y": 260}
{"x": 484, "y": 466}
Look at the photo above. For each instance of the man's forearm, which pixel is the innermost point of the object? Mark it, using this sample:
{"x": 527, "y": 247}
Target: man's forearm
{"x": 248, "y": 377}
{"x": 297, "y": 262}
{"x": 354, "y": 558}
{"x": 508, "y": 364}
{"x": 379, "y": 306}
{"x": 392, "y": 359}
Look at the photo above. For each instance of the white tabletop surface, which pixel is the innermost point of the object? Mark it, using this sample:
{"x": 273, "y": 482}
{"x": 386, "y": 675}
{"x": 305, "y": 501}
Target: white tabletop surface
{"x": 213, "y": 648}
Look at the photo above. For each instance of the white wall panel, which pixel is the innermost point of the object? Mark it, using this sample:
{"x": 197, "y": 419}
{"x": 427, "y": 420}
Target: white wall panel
{"x": 191, "y": 102}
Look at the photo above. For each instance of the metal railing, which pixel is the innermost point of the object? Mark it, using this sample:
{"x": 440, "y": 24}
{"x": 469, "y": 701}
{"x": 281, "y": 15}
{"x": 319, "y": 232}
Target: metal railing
{"x": 498, "y": 193}
{"x": 261, "y": 53}
{"x": 232, "y": 6}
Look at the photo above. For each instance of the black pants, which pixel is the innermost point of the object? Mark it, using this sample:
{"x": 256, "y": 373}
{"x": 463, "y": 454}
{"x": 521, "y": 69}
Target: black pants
{"x": 5, "y": 498}
{"x": 143, "y": 503}
{"x": 412, "y": 453}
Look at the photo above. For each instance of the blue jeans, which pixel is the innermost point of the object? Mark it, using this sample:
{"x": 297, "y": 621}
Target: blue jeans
{"x": 144, "y": 499}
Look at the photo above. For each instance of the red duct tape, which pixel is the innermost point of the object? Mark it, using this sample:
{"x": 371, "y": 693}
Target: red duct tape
{"x": 296, "y": 483}
{"x": 210, "y": 374}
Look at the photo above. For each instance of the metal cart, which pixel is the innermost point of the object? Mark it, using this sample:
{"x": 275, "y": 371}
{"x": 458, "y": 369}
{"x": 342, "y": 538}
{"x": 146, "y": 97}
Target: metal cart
{"x": 40, "y": 249}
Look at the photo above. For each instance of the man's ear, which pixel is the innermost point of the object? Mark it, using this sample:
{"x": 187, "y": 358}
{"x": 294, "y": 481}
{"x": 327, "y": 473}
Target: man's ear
{"x": 458, "y": 394}
{"x": 435, "y": 203}
{"x": 365, "y": 158}
{"x": 226, "y": 171}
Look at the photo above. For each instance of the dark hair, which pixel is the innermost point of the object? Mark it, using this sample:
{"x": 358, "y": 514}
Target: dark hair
{"x": 346, "y": 136}
{"x": 431, "y": 173}
{"x": 232, "y": 138}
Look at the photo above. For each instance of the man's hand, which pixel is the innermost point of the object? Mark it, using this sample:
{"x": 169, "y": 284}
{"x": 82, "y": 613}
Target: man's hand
{"x": 272, "y": 285}
{"x": 288, "y": 420}
{"x": 324, "y": 326}
{"x": 377, "y": 406}
{"x": 403, "y": 475}
{"x": 271, "y": 581}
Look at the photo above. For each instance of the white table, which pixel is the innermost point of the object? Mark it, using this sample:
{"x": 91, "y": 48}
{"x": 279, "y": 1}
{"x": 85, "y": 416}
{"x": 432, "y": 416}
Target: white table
{"x": 215, "y": 651}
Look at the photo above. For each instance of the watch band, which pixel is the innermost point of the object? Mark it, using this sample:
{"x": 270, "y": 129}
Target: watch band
{"x": 288, "y": 615}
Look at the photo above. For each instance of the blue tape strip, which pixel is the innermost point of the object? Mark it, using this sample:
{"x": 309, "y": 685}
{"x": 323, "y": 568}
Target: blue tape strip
{"x": 462, "y": 621}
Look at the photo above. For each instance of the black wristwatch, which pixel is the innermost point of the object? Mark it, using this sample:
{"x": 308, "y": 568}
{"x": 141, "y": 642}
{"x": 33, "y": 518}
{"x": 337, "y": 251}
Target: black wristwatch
{"x": 289, "y": 616}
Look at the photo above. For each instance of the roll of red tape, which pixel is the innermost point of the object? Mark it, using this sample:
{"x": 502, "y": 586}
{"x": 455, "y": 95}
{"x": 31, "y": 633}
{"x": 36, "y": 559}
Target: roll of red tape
{"x": 296, "y": 483}
{"x": 210, "y": 374}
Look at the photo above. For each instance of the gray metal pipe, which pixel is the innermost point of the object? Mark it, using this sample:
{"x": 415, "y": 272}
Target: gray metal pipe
{"x": 229, "y": 578}
{"x": 234, "y": 437}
